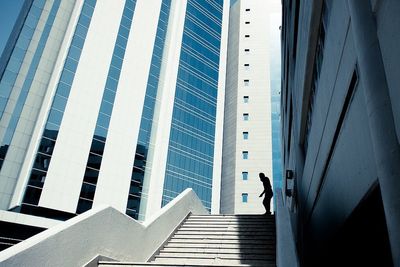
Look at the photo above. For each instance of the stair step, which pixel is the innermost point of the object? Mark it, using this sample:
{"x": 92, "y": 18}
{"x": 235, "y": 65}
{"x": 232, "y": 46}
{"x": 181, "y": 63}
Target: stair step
{"x": 253, "y": 241}
{"x": 162, "y": 264}
{"x": 232, "y": 219}
{"x": 221, "y": 246}
{"x": 228, "y": 223}
{"x": 166, "y": 254}
{"x": 217, "y": 261}
{"x": 224, "y": 237}
{"x": 237, "y": 227}
{"x": 218, "y": 240}
{"x": 223, "y": 250}
{"x": 225, "y": 232}
{"x": 234, "y": 216}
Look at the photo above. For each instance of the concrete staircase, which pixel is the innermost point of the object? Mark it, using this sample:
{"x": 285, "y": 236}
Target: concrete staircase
{"x": 216, "y": 240}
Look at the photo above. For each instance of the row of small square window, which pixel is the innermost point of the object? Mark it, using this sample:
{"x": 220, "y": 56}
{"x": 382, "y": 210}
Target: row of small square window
{"x": 245, "y": 154}
{"x": 247, "y": 50}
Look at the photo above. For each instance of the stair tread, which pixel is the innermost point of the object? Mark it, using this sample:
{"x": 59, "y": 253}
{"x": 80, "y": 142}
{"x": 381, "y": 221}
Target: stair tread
{"x": 217, "y": 261}
{"x": 219, "y": 245}
{"x": 193, "y": 255}
{"x": 220, "y": 250}
{"x": 225, "y": 232}
{"x": 226, "y": 237}
{"x": 220, "y": 240}
{"x": 138, "y": 264}
{"x": 229, "y": 223}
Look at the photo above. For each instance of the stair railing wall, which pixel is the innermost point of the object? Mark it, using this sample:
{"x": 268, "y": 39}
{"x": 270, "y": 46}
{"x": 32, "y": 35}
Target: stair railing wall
{"x": 102, "y": 231}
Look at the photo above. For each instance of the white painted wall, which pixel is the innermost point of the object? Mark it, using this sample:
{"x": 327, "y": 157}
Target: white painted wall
{"x": 65, "y": 175}
{"x": 119, "y": 153}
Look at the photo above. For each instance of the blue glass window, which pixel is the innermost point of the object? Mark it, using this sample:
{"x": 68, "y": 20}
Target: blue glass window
{"x": 245, "y": 197}
{"x": 245, "y": 176}
{"x": 103, "y": 120}
{"x": 245, "y": 154}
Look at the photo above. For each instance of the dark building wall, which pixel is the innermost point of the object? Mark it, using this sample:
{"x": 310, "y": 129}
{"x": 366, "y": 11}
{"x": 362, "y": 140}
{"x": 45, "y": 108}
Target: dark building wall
{"x": 326, "y": 132}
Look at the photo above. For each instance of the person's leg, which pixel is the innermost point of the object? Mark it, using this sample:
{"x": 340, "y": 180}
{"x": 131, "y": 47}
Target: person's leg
{"x": 266, "y": 203}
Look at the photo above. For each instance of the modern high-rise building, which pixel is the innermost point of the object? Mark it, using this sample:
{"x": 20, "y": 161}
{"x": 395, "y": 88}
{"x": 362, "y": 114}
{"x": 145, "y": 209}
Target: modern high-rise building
{"x": 111, "y": 102}
{"x": 247, "y": 145}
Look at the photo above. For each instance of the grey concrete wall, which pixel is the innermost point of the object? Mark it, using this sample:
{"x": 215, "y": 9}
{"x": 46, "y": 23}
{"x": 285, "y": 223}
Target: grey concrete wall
{"x": 337, "y": 171}
{"x": 388, "y": 25}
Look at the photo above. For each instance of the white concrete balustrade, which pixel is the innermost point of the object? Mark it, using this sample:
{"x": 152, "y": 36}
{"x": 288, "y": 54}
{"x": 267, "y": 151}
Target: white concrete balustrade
{"x": 103, "y": 231}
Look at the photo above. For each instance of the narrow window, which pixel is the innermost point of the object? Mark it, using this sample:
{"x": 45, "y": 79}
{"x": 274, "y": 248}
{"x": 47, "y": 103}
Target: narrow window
{"x": 246, "y": 99}
{"x": 245, "y": 154}
{"x": 245, "y": 116}
{"x": 246, "y": 66}
{"x": 247, "y": 35}
{"x": 247, "y": 51}
{"x": 247, "y": 22}
{"x": 246, "y": 82}
{"x": 247, "y": 9}
{"x": 245, "y": 176}
{"x": 245, "y": 135}
{"x": 245, "y": 197}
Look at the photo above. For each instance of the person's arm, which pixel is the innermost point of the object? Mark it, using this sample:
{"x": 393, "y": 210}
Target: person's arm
{"x": 262, "y": 193}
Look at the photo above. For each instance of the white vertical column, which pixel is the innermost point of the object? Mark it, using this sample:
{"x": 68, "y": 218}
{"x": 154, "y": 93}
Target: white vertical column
{"x": 160, "y": 133}
{"x": 116, "y": 168}
{"x": 217, "y": 165}
{"x": 67, "y": 167}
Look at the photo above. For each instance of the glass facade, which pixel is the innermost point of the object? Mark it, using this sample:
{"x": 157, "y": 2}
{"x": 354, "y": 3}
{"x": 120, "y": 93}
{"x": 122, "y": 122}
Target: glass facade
{"x": 136, "y": 192}
{"x": 49, "y": 137}
{"x": 11, "y": 72}
{"x": 191, "y": 145}
{"x": 107, "y": 103}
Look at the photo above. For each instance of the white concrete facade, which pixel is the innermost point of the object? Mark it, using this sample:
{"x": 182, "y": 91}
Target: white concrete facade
{"x": 247, "y": 94}
{"x": 64, "y": 178}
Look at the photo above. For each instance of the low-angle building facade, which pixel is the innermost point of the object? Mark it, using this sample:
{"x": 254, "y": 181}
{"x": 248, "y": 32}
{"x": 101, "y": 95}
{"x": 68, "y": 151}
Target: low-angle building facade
{"x": 341, "y": 130}
{"x": 247, "y": 145}
{"x": 111, "y": 103}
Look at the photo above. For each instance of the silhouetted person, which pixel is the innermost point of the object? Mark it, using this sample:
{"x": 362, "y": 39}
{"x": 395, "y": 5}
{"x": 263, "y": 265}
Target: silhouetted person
{"x": 267, "y": 192}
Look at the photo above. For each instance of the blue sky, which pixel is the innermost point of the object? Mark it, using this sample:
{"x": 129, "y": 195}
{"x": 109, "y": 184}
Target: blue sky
{"x": 9, "y": 10}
